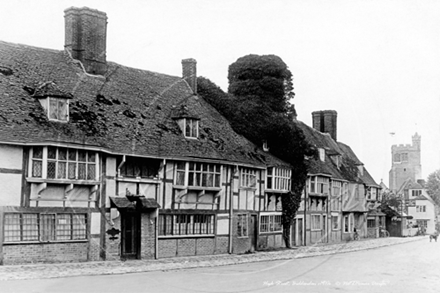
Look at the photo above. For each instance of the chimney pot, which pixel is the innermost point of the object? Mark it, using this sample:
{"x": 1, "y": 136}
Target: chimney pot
{"x": 189, "y": 73}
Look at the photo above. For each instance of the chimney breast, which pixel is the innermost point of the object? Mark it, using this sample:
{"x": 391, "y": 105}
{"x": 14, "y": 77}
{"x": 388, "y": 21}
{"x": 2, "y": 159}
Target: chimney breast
{"x": 189, "y": 73}
{"x": 85, "y": 37}
{"x": 326, "y": 121}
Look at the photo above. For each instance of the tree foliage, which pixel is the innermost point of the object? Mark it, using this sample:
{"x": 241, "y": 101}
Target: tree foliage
{"x": 257, "y": 107}
{"x": 264, "y": 78}
{"x": 433, "y": 186}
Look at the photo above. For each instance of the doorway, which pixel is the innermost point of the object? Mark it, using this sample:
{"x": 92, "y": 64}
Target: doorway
{"x": 130, "y": 225}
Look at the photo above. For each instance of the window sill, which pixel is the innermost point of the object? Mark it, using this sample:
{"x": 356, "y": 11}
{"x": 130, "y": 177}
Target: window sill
{"x": 62, "y": 181}
{"x": 276, "y": 191}
{"x": 138, "y": 180}
{"x": 197, "y": 188}
{"x": 186, "y": 236}
{"x": 272, "y": 232}
{"x": 318, "y": 194}
{"x": 44, "y": 242}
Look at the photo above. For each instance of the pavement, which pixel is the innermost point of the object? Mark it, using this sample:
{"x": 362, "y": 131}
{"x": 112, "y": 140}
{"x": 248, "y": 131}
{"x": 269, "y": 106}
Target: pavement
{"x": 60, "y": 270}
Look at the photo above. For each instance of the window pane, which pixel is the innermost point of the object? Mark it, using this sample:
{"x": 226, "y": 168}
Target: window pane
{"x": 64, "y": 228}
{"x": 180, "y": 178}
{"x": 62, "y": 170}
{"x": 37, "y": 152}
{"x": 72, "y": 170}
{"x": 51, "y": 168}
{"x": 72, "y": 155}
{"x": 62, "y": 109}
{"x": 82, "y": 156}
{"x": 53, "y": 108}
{"x": 91, "y": 157}
{"x": 51, "y": 153}
{"x": 62, "y": 154}
{"x": 37, "y": 168}
{"x": 79, "y": 222}
{"x": 194, "y": 128}
{"x": 30, "y": 227}
{"x": 91, "y": 172}
{"x": 82, "y": 171}
{"x": 188, "y": 127}
{"x": 12, "y": 227}
{"x": 47, "y": 227}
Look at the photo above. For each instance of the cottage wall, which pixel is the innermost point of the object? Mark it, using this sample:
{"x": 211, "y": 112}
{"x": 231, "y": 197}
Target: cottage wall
{"x": 11, "y": 174}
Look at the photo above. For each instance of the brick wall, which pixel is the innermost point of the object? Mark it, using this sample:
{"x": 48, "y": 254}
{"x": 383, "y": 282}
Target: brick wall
{"x": 113, "y": 247}
{"x": 172, "y": 247}
{"x": 45, "y": 253}
{"x": 222, "y": 245}
{"x": 148, "y": 237}
{"x": 94, "y": 248}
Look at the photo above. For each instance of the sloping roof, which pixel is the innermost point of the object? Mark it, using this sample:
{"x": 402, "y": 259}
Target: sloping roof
{"x": 125, "y": 203}
{"x": 321, "y": 140}
{"x": 127, "y": 111}
{"x": 348, "y": 169}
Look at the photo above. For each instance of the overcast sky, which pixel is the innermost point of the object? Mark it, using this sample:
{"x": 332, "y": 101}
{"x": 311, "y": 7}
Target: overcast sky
{"x": 377, "y": 63}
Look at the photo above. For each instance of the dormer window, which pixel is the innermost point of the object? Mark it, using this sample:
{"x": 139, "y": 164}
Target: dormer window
{"x": 58, "y": 109}
{"x": 54, "y": 100}
{"x": 360, "y": 170}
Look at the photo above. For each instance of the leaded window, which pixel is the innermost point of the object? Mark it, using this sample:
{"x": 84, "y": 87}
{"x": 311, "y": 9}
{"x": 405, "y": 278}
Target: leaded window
{"x": 23, "y": 227}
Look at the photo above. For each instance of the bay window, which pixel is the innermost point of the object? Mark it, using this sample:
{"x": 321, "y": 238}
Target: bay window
{"x": 278, "y": 179}
{"x": 197, "y": 174}
{"x": 63, "y": 163}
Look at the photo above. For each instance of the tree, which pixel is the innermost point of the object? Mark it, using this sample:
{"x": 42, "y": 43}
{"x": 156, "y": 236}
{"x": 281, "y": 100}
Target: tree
{"x": 257, "y": 107}
{"x": 265, "y": 78}
{"x": 433, "y": 186}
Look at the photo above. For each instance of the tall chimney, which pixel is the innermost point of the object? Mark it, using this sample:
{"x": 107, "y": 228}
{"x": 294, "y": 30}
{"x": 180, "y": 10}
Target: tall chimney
{"x": 189, "y": 73}
{"x": 85, "y": 37}
{"x": 326, "y": 121}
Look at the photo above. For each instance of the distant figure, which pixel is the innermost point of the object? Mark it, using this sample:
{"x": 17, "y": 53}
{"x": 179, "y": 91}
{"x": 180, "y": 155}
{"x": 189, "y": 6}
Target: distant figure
{"x": 433, "y": 236}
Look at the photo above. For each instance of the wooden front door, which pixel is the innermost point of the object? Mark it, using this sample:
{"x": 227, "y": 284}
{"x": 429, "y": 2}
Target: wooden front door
{"x": 253, "y": 232}
{"x": 130, "y": 235}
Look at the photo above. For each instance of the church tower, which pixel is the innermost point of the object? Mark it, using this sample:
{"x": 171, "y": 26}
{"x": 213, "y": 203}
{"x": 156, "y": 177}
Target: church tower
{"x": 405, "y": 163}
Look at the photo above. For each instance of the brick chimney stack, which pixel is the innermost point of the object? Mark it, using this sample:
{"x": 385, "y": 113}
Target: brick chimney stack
{"x": 189, "y": 73}
{"x": 85, "y": 37}
{"x": 326, "y": 121}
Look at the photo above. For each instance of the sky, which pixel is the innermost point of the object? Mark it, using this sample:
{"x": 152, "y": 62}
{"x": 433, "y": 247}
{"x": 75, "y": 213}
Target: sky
{"x": 377, "y": 63}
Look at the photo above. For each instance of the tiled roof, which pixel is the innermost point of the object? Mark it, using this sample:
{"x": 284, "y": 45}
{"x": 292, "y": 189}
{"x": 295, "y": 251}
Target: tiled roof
{"x": 348, "y": 169}
{"x": 127, "y": 111}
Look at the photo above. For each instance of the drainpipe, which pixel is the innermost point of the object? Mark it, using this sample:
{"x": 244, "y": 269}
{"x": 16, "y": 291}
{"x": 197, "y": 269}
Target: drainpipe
{"x": 305, "y": 214}
{"x": 231, "y": 209}
{"x": 121, "y": 164}
{"x": 156, "y": 240}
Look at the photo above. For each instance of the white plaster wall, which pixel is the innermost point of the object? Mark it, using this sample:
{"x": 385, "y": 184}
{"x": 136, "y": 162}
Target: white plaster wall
{"x": 11, "y": 157}
{"x": 10, "y": 186}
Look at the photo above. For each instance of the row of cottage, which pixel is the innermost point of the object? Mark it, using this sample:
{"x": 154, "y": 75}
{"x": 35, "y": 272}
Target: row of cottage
{"x": 99, "y": 161}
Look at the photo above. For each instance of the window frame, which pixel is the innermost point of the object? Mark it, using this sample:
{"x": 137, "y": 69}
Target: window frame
{"x": 337, "y": 222}
{"x": 191, "y": 125}
{"x": 278, "y": 179}
{"x": 60, "y": 117}
{"x": 186, "y": 224}
{"x": 46, "y": 161}
{"x": 242, "y": 225}
{"x": 49, "y": 231}
{"x": 248, "y": 178}
{"x": 271, "y": 223}
{"x": 183, "y": 175}
{"x": 315, "y": 221}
